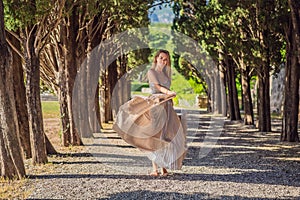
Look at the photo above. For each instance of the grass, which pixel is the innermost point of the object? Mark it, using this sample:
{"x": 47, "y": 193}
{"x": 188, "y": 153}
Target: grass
{"x": 13, "y": 189}
{"x": 50, "y": 109}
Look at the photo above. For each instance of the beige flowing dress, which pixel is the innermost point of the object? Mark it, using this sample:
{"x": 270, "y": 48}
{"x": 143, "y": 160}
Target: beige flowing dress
{"x": 152, "y": 125}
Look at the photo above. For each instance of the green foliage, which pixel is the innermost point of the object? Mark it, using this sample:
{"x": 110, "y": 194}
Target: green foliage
{"x": 198, "y": 88}
{"x": 136, "y": 62}
{"x": 283, "y": 52}
{"x": 20, "y": 14}
{"x": 129, "y": 14}
{"x": 186, "y": 90}
{"x": 185, "y": 100}
{"x": 137, "y": 86}
{"x": 159, "y": 40}
{"x": 179, "y": 84}
{"x": 45, "y": 88}
{"x": 234, "y": 28}
{"x": 250, "y": 33}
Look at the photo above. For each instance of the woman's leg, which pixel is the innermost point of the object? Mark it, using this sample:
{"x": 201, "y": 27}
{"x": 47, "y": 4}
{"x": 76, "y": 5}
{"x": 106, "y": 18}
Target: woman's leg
{"x": 164, "y": 172}
{"x": 155, "y": 169}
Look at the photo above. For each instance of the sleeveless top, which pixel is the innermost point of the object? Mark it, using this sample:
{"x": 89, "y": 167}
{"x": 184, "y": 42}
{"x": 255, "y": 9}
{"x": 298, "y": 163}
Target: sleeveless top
{"x": 153, "y": 78}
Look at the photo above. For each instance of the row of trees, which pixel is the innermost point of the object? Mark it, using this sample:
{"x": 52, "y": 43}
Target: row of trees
{"x": 46, "y": 41}
{"x": 247, "y": 38}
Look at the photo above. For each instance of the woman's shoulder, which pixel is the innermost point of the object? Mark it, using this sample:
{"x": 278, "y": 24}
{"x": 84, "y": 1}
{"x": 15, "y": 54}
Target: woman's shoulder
{"x": 151, "y": 72}
{"x": 152, "y": 76}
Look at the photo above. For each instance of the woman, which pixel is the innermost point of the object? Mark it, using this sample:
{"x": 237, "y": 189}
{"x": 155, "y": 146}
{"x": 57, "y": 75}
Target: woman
{"x": 151, "y": 124}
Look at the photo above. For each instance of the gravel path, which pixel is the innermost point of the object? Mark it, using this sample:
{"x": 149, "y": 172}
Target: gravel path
{"x": 224, "y": 161}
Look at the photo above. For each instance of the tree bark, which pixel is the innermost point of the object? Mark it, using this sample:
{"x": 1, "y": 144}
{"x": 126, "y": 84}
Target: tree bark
{"x": 62, "y": 82}
{"x": 291, "y": 93}
{"x": 212, "y": 93}
{"x": 20, "y": 97}
{"x": 263, "y": 34}
{"x": 36, "y": 127}
{"x": 264, "y": 116}
{"x": 80, "y": 102}
{"x": 248, "y": 107}
{"x": 11, "y": 159}
{"x": 223, "y": 93}
{"x": 62, "y": 97}
{"x": 112, "y": 75}
{"x": 122, "y": 90}
{"x": 67, "y": 72}
{"x": 209, "y": 95}
{"x": 97, "y": 122}
{"x": 222, "y": 82}
{"x": 234, "y": 109}
{"x": 218, "y": 100}
{"x": 71, "y": 71}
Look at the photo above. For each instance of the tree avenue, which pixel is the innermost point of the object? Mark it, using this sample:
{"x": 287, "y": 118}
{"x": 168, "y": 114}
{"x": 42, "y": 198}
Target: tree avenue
{"x": 252, "y": 40}
{"x": 50, "y": 42}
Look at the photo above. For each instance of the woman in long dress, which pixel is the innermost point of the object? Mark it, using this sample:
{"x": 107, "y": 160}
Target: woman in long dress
{"x": 151, "y": 123}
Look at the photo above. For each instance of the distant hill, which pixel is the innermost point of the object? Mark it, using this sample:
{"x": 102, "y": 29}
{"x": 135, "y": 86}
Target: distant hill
{"x": 162, "y": 14}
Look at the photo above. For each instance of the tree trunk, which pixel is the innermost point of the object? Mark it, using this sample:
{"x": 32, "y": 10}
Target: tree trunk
{"x": 264, "y": 116}
{"x": 217, "y": 93}
{"x": 242, "y": 92}
{"x": 223, "y": 93}
{"x": 94, "y": 39}
{"x": 62, "y": 97}
{"x": 112, "y": 80}
{"x": 80, "y": 102}
{"x": 291, "y": 100}
{"x": 235, "y": 95}
{"x": 264, "y": 110}
{"x": 20, "y": 97}
{"x": 212, "y": 92}
{"x": 122, "y": 91}
{"x": 37, "y": 134}
{"x": 11, "y": 160}
{"x": 71, "y": 70}
{"x": 92, "y": 99}
{"x": 222, "y": 80}
{"x": 248, "y": 107}
{"x": 263, "y": 70}
{"x": 67, "y": 74}
{"x": 234, "y": 109}
{"x": 97, "y": 122}
{"x": 209, "y": 98}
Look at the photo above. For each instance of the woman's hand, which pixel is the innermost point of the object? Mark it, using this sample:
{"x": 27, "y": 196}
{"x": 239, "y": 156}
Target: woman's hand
{"x": 171, "y": 93}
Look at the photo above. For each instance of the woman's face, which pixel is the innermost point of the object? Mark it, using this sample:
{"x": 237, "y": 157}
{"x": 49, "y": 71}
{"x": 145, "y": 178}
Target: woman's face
{"x": 162, "y": 60}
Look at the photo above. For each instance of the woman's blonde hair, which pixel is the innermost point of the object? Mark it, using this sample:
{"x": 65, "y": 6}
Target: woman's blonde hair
{"x": 167, "y": 69}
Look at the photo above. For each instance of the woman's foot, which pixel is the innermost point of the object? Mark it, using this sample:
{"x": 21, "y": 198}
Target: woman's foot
{"x": 154, "y": 173}
{"x": 164, "y": 172}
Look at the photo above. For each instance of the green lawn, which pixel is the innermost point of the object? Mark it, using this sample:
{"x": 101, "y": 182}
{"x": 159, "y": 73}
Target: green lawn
{"x": 50, "y": 109}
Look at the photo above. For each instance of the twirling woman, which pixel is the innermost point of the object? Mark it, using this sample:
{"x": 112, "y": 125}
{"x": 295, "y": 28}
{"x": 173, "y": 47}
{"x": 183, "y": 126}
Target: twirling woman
{"x": 151, "y": 123}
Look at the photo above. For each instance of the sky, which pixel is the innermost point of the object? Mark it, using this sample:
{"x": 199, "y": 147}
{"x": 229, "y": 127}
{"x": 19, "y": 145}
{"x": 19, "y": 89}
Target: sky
{"x": 162, "y": 14}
